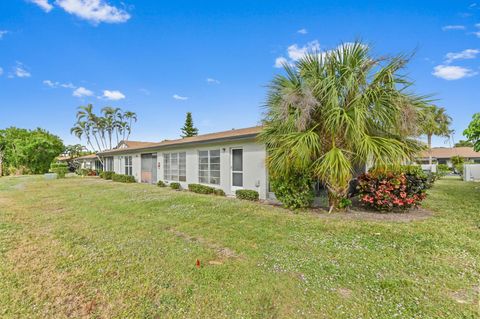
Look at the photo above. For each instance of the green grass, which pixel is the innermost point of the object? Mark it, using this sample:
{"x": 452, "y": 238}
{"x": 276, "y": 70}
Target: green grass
{"x": 85, "y": 247}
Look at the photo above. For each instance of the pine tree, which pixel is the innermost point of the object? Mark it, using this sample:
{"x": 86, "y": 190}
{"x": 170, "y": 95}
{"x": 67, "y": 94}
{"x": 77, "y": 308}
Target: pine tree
{"x": 188, "y": 129}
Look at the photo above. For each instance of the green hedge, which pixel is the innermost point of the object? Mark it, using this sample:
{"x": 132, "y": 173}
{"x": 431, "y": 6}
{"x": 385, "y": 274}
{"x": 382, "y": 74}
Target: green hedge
{"x": 247, "y": 194}
{"x": 123, "y": 178}
{"x": 201, "y": 189}
{"x": 176, "y": 186}
{"x": 161, "y": 184}
{"x": 106, "y": 175}
{"x": 60, "y": 168}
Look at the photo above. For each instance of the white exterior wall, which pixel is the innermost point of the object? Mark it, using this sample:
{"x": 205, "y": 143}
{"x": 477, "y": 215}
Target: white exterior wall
{"x": 471, "y": 172}
{"x": 254, "y": 170}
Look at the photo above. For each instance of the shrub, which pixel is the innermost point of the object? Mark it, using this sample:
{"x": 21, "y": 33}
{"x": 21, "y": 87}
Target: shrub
{"x": 459, "y": 168}
{"x": 386, "y": 190}
{"x": 86, "y": 172}
{"x": 295, "y": 191}
{"x": 201, "y": 189}
{"x": 123, "y": 178}
{"x": 219, "y": 192}
{"x": 176, "y": 186}
{"x": 443, "y": 169}
{"x": 106, "y": 174}
{"x": 247, "y": 194}
{"x": 61, "y": 169}
{"x": 161, "y": 184}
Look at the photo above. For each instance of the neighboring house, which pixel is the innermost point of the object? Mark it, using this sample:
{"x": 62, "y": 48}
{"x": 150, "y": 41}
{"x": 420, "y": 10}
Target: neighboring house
{"x": 443, "y": 155}
{"x": 88, "y": 162}
{"x": 228, "y": 160}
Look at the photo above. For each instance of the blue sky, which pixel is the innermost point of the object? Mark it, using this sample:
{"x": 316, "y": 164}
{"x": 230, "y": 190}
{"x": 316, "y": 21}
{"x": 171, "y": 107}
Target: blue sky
{"x": 161, "y": 59}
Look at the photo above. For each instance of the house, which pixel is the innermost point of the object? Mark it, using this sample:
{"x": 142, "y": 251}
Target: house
{"x": 90, "y": 161}
{"x": 228, "y": 160}
{"x": 443, "y": 155}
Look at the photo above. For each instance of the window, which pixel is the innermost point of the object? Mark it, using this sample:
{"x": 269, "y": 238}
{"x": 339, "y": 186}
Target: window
{"x": 128, "y": 165}
{"x": 109, "y": 164}
{"x": 175, "y": 166}
{"x": 209, "y": 167}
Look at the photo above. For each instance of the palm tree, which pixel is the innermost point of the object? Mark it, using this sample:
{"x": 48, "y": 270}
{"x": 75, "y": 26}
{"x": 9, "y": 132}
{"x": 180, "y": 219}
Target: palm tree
{"x": 435, "y": 121}
{"x": 131, "y": 117}
{"x": 336, "y": 111}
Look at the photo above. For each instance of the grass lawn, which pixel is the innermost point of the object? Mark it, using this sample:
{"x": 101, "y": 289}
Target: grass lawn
{"x": 92, "y": 248}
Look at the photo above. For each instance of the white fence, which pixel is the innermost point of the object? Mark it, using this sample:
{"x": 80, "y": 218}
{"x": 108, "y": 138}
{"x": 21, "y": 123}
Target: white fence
{"x": 471, "y": 172}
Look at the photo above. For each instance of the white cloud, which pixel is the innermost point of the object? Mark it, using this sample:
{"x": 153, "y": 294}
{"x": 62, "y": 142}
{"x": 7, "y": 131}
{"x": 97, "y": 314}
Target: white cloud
{"x": 178, "y": 97}
{"x": 1, "y": 71}
{"x": 55, "y": 84}
{"x": 20, "y": 71}
{"x": 95, "y": 11}
{"x": 113, "y": 95}
{"x": 81, "y": 92}
{"x": 68, "y": 86}
{"x": 44, "y": 4}
{"x": 302, "y": 31}
{"x": 296, "y": 53}
{"x": 2, "y": 33}
{"x": 280, "y": 62}
{"x": 451, "y": 72}
{"x": 50, "y": 83}
{"x": 453, "y": 27}
{"x": 463, "y": 55}
{"x": 212, "y": 81}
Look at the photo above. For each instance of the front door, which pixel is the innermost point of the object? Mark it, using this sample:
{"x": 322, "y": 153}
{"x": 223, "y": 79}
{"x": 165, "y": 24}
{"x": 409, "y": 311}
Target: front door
{"x": 146, "y": 175}
{"x": 237, "y": 168}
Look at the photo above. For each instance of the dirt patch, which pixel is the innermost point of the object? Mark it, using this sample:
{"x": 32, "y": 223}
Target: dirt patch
{"x": 345, "y": 293}
{"x": 467, "y": 296}
{"x": 224, "y": 252}
{"x": 359, "y": 214}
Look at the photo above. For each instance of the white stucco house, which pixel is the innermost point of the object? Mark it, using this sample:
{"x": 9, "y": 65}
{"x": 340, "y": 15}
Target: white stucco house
{"x": 228, "y": 160}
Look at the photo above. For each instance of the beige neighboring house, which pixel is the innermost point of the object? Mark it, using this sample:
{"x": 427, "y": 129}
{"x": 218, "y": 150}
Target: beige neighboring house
{"x": 88, "y": 162}
{"x": 229, "y": 160}
{"x": 443, "y": 155}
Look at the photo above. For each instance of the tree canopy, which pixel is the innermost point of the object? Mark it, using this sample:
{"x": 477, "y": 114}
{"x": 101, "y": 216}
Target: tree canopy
{"x": 463, "y": 143}
{"x": 101, "y": 131}
{"x": 333, "y": 112}
{"x": 188, "y": 129}
{"x": 28, "y": 151}
{"x": 472, "y": 132}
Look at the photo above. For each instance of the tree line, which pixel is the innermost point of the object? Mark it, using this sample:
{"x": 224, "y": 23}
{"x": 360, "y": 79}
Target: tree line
{"x": 25, "y": 151}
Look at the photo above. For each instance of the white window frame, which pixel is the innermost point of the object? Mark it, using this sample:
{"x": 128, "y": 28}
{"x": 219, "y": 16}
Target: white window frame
{"x": 175, "y": 170}
{"x": 128, "y": 160}
{"x": 205, "y": 175}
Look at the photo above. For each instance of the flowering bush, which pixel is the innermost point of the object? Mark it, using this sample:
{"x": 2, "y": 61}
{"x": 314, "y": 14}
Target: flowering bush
{"x": 385, "y": 191}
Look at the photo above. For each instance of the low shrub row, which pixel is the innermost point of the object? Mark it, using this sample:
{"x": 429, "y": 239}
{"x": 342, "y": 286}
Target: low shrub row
{"x": 60, "y": 168}
{"x": 175, "y": 186}
{"x": 123, "y": 178}
{"x": 86, "y": 172}
{"x": 204, "y": 189}
{"x": 106, "y": 175}
{"x": 393, "y": 188}
{"x": 201, "y": 189}
{"x": 247, "y": 194}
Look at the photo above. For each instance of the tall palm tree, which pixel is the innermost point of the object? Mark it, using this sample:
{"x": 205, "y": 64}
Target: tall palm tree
{"x": 335, "y": 111}
{"x": 131, "y": 117}
{"x": 435, "y": 122}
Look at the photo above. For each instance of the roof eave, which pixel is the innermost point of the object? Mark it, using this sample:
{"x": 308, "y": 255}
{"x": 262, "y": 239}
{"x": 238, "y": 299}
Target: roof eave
{"x": 159, "y": 147}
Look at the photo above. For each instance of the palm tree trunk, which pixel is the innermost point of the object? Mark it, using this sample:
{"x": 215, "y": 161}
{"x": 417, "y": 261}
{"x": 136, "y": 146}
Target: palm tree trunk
{"x": 429, "y": 142}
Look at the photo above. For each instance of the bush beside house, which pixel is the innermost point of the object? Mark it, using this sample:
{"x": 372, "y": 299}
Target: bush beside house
{"x": 123, "y": 178}
{"x": 247, "y": 194}
{"x": 389, "y": 189}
